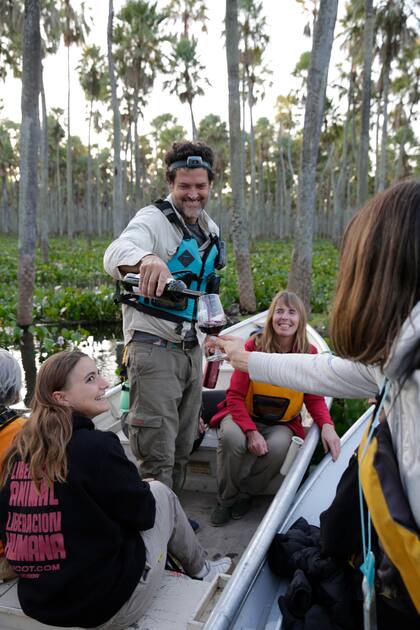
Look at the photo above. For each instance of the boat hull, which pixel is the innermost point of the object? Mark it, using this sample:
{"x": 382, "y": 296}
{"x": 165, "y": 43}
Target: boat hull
{"x": 110, "y": 419}
{"x": 250, "y": 600}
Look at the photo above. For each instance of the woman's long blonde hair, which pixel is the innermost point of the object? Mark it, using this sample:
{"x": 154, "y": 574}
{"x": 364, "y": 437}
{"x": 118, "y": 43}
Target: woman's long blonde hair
{"x": 43, "y": 441}
{"x": 267, "y": 341}
{"x": 379, "y": 276}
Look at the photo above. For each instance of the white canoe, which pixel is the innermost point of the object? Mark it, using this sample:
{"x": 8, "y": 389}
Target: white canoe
{"x": 250, "y": 599}
{"x": 243, "y": 329}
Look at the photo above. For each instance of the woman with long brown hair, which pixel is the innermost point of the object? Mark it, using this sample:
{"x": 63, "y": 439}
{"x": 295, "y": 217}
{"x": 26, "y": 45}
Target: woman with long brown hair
{"x": 375, "y": 329}
{"x": 86, "y": 536}
{"x": 257, "y": 421}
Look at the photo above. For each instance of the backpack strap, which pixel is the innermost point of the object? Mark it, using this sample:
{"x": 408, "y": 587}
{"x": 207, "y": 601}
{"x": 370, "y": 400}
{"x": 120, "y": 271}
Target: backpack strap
{"x": 167, "y": 210}
{"x": 7, "y": 416}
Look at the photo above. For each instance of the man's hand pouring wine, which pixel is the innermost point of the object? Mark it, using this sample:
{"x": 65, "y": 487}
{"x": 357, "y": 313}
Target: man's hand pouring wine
{"x": 154, "y": 275}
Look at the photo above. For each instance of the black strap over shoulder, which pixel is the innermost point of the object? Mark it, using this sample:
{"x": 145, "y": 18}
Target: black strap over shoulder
{"x": 166, "y": 208}
{"x": 7, "y": 416}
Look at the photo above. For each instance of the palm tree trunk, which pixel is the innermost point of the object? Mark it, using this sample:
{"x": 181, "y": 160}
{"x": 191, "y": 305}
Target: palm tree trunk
{"x": 89, "y": 178}
{"x": 28, "y": 183}
{"x": 252, "y": 153}
{"x": 137, "y": 195}
{"x": 341, "y": 188}
{"x": 43, "y": 206}
{"x": 300, "y": 277}
{"x": 29, "y": 143}
{"x": 99, "y": 220}
{"x": 377, "y": 144}
{"x": 239, "y": 228}
{"x": 70, "y": 210}
{"x": 58, "y": 183}
{"x": 363, "y": 161}
{"x": 5, "y": 206}
{"x": 117, "y": 191}
{"x": 384, "y": 137}
{"x": 193, "y": 125}
{"x": 244, "y": 199}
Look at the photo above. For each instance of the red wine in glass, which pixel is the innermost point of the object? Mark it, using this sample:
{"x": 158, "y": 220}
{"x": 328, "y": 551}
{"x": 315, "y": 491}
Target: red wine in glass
{"x": 211, "y": 328}
{"x": 211, "y": 319}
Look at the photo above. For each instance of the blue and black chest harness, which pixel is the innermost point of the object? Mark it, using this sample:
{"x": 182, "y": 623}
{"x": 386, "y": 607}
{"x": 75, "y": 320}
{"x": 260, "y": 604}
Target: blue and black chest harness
{"x": 187, "y": 264}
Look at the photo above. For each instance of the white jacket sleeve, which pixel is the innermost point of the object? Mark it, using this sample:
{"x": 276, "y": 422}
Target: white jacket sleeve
{"x": 136, "y": 241}
{"x": 323, "y": 374}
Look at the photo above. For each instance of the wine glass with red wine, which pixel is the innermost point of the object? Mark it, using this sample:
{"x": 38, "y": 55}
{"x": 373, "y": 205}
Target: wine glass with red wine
{"x": 211, "y": 319}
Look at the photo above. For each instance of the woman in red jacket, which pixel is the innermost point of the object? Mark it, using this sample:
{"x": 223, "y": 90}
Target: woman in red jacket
{"x": 257, "y": 421}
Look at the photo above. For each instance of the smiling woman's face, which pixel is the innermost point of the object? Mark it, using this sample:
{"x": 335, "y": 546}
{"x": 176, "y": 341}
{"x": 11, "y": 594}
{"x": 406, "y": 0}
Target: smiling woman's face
{"x": 85, "y": 389}
{"x": 285, "y": 320}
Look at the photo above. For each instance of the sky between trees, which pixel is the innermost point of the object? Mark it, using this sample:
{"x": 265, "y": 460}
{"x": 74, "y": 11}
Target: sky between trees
{"x": 286, "y": 21}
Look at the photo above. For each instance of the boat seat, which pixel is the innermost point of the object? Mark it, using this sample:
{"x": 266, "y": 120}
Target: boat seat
{"x": 202, "y": 466}
{"x": 165, "y": 612}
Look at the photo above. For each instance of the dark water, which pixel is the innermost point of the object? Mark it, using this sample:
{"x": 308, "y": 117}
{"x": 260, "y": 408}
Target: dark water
{"x": 100, "y": 346}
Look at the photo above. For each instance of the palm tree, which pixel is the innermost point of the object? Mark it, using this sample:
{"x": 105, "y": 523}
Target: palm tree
{"x": 253, "y": 41}
{"x": 189, "y": 12}
{"x": 74, "y": 31}
{"x": 406, "y": 87}
{"x": 93, "y": 78}
{"x": 239, "y": 228}
{"x": 28, "y": 183}
{"x": 184, "y": 65}
{"x": 139, "y": 38}
{"x": 56, "y": 134}
{"x": 187, "y": 75}
{"x": 213, "y": 131}
{"x": 301, "y": 268}
{"x": 11, "y": 17}
{"x": 393, "y": 24}
{"x": 8, "y": 174}
{"x": 117, "y": 182}
{"x": 363, "y": 155}
{"x": 285, "y": 167}
{"x": 165, "y": 131}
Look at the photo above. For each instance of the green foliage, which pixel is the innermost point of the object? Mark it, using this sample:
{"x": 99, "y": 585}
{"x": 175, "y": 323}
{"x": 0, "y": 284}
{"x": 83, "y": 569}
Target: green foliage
{"x": 345, "y": 412}
{"x": 270, "y": 264}
{"x": 73, "y": 289}
{"x": 70, "y": 289}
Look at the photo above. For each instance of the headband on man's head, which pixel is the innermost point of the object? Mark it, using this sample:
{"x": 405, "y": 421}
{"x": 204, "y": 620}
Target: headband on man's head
{"x": 193, "y": 161}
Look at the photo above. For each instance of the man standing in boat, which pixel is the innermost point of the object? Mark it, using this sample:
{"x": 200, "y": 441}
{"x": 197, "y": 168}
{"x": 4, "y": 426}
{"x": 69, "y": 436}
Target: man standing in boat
{"x": 173, "y": 238}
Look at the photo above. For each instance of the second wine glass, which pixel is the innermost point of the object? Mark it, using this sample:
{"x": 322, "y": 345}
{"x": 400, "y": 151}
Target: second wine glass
{"x": 211, "y": 319}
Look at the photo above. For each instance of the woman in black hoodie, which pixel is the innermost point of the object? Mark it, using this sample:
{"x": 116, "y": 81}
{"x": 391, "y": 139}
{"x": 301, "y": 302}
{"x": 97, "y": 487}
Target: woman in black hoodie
{"x": 87, "y": 537}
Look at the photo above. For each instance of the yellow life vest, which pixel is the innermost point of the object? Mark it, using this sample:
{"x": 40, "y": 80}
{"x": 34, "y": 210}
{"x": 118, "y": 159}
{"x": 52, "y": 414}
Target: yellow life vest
{"x": 10, "y": 425}
{"x": 270, "y": 404}
{"x": 389, "y": 509}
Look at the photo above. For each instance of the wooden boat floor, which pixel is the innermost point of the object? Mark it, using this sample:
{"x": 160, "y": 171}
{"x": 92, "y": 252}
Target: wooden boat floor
{"x": 232, "y": 538}
{"x": 199, "y": 499}
{"x": 165, "y": 612}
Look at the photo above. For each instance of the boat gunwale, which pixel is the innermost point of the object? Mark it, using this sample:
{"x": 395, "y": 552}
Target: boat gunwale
{"x": 229, "y": 606}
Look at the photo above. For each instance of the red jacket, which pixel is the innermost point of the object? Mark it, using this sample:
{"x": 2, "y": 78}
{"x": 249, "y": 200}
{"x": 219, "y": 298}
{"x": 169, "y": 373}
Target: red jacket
{"x": 234, "y": 403}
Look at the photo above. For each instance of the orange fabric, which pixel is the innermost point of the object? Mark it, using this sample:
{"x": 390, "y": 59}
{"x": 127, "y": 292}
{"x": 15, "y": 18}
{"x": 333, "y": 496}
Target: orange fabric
{"x": 274, "y": 391}
{"x": 6, "y": 437}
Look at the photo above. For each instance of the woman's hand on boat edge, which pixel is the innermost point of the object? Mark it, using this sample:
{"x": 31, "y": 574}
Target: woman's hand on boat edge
{"x": 233, "y": 347}
{"x": 330, "y": 441}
